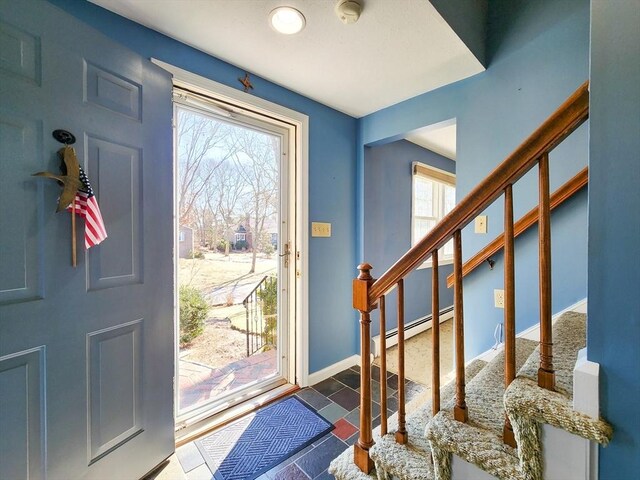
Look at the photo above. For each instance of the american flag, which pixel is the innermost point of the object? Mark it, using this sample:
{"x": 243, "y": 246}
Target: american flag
{"x": 87, "y": 207}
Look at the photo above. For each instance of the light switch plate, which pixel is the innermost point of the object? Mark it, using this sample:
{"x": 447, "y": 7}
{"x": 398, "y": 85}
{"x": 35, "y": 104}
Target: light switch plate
{"x": 319, "y": 229}
{"x": 481, "y": 224}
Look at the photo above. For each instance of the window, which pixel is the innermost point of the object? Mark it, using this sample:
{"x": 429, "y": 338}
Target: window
{"x": 181, "y": 236}
{"x": 241, "y": 237}
{"x": 434, "y": 195}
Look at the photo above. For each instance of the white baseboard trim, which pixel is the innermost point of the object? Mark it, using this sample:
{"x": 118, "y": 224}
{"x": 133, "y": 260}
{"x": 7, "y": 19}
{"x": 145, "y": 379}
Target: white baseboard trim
{"x": 331, "y": 370}
{"x": 413, "y": 329}
{"x": 531, "y": 332}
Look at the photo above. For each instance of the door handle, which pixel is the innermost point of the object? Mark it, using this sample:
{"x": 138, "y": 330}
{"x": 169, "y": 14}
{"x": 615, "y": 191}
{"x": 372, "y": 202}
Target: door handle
{"x": 286, "y": 253}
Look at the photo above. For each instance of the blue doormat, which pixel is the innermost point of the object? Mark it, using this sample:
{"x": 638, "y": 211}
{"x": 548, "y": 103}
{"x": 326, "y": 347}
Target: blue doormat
{"x": 258, "y": 442}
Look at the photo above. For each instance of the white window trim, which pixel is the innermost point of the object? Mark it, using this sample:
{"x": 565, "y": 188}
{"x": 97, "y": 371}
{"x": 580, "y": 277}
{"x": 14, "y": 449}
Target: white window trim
{"x": 257, "y": 104}
{"x": 438, "y": 172}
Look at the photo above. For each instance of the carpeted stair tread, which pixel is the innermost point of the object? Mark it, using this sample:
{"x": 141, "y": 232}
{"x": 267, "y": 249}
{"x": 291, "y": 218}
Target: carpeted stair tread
{"x": 407, "y": 462}
{"x": 480, "y": 440}
{"x": 528, "y": 405}
{"x": 525, "y": 397}
{"x": 483, "y": 393}
{"x": 343, "y": 468}
{"x": 475, "y": 444}
{"x": 413, "y": 461}
{"x": 569, "y": 336}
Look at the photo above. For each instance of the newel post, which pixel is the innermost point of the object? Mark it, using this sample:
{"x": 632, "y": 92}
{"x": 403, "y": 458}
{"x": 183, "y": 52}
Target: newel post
{"x": 361, "y": 288}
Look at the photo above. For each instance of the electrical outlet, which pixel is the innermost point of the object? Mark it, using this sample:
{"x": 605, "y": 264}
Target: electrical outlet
{"x": 319, "y": 229}
{"x": 481, "y": 224}
{"x": 498, "y": 298}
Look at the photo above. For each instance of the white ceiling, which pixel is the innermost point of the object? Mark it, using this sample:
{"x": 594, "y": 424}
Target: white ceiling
{"x": 439, "y": 138}
{"x": 397, "y": 50}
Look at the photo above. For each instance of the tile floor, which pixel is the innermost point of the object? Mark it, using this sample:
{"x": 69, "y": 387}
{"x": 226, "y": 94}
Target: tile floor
{"x": 337, "y": 399}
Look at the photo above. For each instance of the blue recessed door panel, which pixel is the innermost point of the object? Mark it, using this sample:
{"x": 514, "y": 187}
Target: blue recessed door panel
{"x": 86, "y": 353}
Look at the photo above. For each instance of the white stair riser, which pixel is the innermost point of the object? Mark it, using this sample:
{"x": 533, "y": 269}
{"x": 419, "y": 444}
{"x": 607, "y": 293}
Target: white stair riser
{"x": 463, "y": 470}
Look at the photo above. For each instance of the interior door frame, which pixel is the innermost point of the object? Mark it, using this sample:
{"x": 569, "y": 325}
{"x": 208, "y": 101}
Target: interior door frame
{"x": 298, "y": 125}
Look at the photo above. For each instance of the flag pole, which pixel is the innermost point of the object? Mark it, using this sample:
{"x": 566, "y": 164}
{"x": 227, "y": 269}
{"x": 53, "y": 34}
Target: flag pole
{"x": 73, "y": 233}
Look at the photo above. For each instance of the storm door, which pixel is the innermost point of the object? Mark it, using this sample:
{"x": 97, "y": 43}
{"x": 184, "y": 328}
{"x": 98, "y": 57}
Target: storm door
{"x": 233, "y": 251}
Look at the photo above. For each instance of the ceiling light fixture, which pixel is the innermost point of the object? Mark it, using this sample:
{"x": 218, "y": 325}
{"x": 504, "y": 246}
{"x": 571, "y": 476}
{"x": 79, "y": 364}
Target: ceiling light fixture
{"x": 286, "y": 20}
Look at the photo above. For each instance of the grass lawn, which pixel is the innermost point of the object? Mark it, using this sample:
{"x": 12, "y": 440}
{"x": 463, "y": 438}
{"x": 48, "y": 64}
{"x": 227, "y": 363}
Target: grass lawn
{"x": 216, "y": 270}
{"x": 235, "y": 313}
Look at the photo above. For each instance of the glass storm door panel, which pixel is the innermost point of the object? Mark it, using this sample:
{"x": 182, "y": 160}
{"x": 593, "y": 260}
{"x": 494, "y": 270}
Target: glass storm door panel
{"x": 232, "y": 256}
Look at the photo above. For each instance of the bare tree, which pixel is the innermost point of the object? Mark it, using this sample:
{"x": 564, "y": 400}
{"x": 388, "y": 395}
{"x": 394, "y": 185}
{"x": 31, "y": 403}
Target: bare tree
{"x": 257, "y": 158}
{"x": 225, "y": 173}
{"x": 203, "y": 145}
{"x": 229, "y": 189}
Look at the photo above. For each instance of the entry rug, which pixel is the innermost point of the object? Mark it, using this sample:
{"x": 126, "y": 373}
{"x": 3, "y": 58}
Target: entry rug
{"x": 258, "y": 442}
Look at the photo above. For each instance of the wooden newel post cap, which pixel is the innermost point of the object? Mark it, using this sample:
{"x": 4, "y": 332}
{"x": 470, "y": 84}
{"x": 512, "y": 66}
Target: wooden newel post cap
{"x": 365, "y": 271}
{"x": 361, "y": 287}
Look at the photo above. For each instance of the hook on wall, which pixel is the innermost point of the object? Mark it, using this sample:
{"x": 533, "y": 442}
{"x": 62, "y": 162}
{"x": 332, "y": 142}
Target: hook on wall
{"x": 491, "y": 263}
{"x": 64, "y": 136}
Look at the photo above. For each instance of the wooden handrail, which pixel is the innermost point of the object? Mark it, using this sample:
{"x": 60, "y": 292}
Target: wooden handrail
{"x": 569, "y": 116}
{"x": 562, "y": 194}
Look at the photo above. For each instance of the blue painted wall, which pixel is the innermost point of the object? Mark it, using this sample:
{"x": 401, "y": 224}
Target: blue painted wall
{"x": 538, "y": 55}
{"x": 332, "y": 167}
{"x": 468, "y": 18}
{"x": 613, "y": 336}
{"x": 387, "y": 224}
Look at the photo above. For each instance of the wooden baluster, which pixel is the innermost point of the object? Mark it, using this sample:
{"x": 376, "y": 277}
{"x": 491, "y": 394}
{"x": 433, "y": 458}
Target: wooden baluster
{"x": 546, "y": 374}
{"x": 383, "y": 368}
{"x": 401, "y": 435}
{"x": 435, "y": 335}
{"x": 509, "y": 307}
{"x": 460, "y": 412}
{"x": 361, "y": 287}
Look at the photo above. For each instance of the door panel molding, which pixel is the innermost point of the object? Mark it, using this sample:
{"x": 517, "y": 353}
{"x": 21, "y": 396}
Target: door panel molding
{"x": 21, "y": 53}
{"x": 114, "y": 390}
{"x": 21, "y": 202}
{"x": 115, "y": 170}
{"x": 23, "y": 400}
{"x": 111, "y": 91}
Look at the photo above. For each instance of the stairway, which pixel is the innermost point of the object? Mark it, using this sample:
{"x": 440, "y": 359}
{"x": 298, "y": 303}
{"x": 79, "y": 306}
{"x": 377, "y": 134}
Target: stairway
{"x": 432, "y": 441}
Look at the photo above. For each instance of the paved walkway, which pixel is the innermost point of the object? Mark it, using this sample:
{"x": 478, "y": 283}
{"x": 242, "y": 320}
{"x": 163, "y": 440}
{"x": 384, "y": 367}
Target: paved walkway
{"x": 199, "y": 383}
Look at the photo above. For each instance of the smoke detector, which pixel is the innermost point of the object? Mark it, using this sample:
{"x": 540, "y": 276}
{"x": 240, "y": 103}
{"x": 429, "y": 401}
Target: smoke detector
{"x": 348, "y": 11}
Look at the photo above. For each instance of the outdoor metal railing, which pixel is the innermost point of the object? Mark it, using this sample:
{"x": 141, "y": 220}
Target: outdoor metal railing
{"x": 261, "y": 315}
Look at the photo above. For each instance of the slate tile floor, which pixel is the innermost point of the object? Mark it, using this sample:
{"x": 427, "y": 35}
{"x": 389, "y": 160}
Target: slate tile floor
{"x": 336, "y": 399}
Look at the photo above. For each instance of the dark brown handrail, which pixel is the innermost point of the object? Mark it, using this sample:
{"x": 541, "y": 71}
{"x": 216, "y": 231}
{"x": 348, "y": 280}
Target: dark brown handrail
{"x": 569, "y": 116}
{"x": 529, "y": 219}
